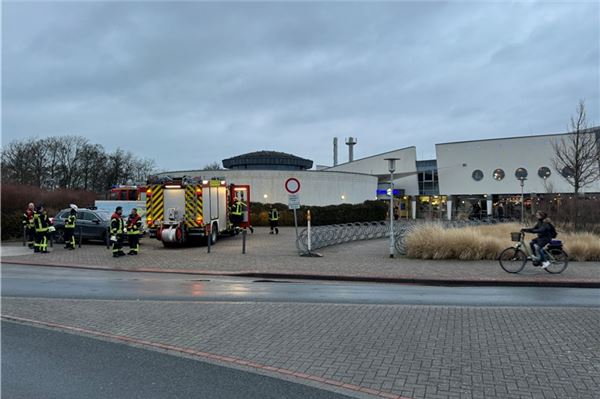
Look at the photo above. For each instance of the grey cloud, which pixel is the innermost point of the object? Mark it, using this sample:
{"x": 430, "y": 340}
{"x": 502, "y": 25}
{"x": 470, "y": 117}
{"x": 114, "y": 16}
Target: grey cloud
{"x": 237, "y": 77}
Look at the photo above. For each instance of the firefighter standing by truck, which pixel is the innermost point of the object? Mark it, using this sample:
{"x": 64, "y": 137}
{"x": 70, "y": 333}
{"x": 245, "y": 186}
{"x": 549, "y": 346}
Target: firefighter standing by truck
{"x": 27, "y": 221}
{"x": 42, "y": 228}
{"x": 70, "y": 228}
{"x": 116, "y": 232}
{"x": 134, "y": 229}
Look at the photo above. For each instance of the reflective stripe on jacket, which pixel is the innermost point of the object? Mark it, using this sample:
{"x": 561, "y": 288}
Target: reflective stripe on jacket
{"x": 70, "y": 222}
{"x": 116, "y": 224}
{"x": 41, "y": 222}
{"x": 273, "y": 215}
{"x": 134, "y": 224}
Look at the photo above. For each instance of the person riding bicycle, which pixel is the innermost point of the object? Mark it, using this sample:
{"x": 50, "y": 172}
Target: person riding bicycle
{"x": 545, "y": 233}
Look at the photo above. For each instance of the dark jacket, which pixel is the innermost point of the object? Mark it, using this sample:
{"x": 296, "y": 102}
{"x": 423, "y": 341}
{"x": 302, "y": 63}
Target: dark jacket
{"x": 542, "y": 229}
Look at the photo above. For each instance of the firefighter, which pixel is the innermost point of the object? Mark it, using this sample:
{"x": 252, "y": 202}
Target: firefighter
{"x": 134, "y": 227}
{"x": 70, "y": 229}
{"x": 27, "y": 221}
{"x": 273, "y": 219}
{"x": 42, "y": 227}
{"x": 116, "y": 232}
{"x": 236, "y": 213}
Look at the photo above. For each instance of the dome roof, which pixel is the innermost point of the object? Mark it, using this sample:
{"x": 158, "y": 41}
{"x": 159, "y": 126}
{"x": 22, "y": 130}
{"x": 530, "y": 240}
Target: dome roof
{"x": 267, "y": 160}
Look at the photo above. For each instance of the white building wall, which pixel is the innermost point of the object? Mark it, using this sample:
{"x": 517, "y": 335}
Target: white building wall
{"x": 377, "y": 165}
{"x": 318, "y": 188}
{"x": 457, "y": 161}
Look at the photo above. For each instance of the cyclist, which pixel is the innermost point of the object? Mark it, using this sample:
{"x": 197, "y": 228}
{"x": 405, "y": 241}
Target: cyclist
{"x": 545, "y": 233}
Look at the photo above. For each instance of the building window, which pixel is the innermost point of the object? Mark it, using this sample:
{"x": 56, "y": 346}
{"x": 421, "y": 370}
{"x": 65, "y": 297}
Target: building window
{"x": 567, "y": 172}
{"x": 544, "y": 172}
{"x": 477, "y": 175}
{"x": 521, "y": 173}
{"x": 498, "y": 174}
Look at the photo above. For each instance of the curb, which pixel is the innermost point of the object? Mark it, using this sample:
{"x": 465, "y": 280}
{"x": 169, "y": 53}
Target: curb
{"x": 208, "y": 356}
{"x": 407, "y": 279}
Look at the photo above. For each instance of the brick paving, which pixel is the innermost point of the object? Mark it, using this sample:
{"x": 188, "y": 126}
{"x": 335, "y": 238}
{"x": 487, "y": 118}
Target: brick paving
{"x": 277, "y": 254}
{"x": 414, "y": 351}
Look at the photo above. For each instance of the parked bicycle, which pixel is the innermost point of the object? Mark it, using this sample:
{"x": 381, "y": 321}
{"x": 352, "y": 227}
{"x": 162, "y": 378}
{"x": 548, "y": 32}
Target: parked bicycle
{"x": 513, "y": 259}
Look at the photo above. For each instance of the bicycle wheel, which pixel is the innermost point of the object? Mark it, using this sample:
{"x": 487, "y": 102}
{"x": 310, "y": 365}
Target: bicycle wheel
{"x": 512, "y": 260}
{"x": 559, "y": 260}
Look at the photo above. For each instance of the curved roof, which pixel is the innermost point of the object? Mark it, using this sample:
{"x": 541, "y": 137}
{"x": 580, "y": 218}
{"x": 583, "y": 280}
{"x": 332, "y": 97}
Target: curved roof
{"x": 267, "y": 160}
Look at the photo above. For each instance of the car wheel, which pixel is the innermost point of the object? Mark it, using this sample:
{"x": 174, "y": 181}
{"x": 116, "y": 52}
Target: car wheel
{"x": 59, "y": 236}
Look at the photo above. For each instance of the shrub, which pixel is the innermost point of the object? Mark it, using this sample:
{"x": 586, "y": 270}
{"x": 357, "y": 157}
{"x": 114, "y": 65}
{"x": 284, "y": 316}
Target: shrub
{"x": 432, "y": 241}
{"x": 321, "y": 215}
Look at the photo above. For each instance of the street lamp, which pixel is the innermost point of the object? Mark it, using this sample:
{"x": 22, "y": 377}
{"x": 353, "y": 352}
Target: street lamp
{"x": 391, "y": 168}
{"x": 521, "y": 175}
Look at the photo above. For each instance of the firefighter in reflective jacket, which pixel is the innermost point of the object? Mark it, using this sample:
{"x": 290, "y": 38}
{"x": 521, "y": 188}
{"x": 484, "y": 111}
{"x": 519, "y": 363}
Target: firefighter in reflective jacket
{"x": 42, "y": 227}
{"x": 27, "y": 221}
{"x": 116, "y": 232}
{"x": 134, "y": 227}
{"x": 236, "y": 212}
{"x": 70, "y": 230}
{"x": 273, "y": 220}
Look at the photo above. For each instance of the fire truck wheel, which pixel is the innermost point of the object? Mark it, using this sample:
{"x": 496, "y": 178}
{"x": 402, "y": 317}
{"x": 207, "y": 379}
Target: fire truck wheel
{"x": 214, "y": 233}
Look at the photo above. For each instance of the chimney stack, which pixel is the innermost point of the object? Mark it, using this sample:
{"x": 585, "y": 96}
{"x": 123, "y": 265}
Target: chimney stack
{"x": 335, "y": 152}
{"x": 351, "y": 142}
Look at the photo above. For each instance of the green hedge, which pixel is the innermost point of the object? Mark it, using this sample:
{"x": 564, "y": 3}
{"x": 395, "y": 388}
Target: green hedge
{"x": 320, "y": 215}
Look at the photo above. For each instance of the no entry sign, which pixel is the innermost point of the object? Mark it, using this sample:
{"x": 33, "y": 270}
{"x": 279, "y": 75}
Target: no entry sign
{"x": 292, "y": 185}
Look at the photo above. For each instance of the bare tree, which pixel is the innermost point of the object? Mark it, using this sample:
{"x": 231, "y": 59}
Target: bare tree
{"x": 213, "y": 166}
{"x": 577, "y": 156}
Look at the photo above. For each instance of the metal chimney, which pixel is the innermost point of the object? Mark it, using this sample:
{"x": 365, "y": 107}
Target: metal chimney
{"x": 335, "y": 159}
{"x": 351, "y": 142}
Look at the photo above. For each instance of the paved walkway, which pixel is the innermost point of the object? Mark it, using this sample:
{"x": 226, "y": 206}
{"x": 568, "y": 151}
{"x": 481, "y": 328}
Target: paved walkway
{"x": 391, "y": 351}
{"x": 276, "y": 255}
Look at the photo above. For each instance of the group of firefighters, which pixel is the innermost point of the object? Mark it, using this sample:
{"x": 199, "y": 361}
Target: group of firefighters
{"x": 38, "y": 227}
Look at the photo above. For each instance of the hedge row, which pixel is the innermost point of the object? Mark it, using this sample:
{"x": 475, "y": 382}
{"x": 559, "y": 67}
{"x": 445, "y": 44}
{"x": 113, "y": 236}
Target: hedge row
{"x": 320, "y": 215}
{"x": 15, "y": 198}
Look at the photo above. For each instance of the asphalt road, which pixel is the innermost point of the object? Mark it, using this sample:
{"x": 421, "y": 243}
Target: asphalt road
{"x": 42, "y": 363}
{"x": 48, "y": 282}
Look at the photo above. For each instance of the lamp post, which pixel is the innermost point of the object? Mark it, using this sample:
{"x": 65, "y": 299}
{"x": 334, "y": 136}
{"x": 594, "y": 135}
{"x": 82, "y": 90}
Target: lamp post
{"x": 521, "y": 175}
{"x": 522, "y": 180}
{"x": 392, "y": 168}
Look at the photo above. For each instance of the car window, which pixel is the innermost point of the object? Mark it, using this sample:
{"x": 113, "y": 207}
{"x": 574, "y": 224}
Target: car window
{"x": 62, "y": 215}
{"x": 89, "y": 216}
{"x": 103, "y": 215}
{"x": 80, "y": 215}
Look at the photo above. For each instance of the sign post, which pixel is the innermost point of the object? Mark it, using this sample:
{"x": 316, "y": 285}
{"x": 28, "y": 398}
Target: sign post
{"x": 292, "y": 186}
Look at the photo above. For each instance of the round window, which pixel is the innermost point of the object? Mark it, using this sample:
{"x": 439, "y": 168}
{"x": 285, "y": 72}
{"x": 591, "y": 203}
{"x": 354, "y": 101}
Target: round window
{"x": 521, "y": 173}
{"x": 477, "y": 175}
{"x": 567, "y": 171}
{"x": 498, "y": 174}
{"x": 544, "y": 172}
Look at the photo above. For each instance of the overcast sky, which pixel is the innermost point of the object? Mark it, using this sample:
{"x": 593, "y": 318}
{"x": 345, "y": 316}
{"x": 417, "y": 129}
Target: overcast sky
{"x": 195, "y": 82}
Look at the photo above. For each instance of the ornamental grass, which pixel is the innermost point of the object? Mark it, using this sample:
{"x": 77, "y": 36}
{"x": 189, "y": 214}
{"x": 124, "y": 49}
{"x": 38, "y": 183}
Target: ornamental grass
{"x": 432, "y": 241}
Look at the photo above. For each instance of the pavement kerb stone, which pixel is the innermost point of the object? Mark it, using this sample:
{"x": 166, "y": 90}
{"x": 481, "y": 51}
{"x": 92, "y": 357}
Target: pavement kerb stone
{"x": 402, "y": 279}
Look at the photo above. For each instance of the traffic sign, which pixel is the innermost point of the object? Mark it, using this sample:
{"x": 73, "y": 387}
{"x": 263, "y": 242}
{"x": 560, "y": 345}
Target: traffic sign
{"x": 294, "y": 201}
{"x": 292, "y": 185}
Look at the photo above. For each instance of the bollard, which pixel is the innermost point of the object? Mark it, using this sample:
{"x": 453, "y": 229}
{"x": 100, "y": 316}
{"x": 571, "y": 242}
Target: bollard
{"x": 244, "y": 241}
{"x": 107, "y": 235}
{"x": 80, "y": 235}
{"x": 24, "y": 236}
{"x": 208, "y": 239}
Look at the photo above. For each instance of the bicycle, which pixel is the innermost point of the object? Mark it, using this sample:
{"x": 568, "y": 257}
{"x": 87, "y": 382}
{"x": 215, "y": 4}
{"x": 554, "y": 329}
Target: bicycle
{"x": 513, "y": 259}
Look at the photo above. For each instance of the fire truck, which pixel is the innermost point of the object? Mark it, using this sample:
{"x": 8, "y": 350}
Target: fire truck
{"x": 182, "y": 210}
